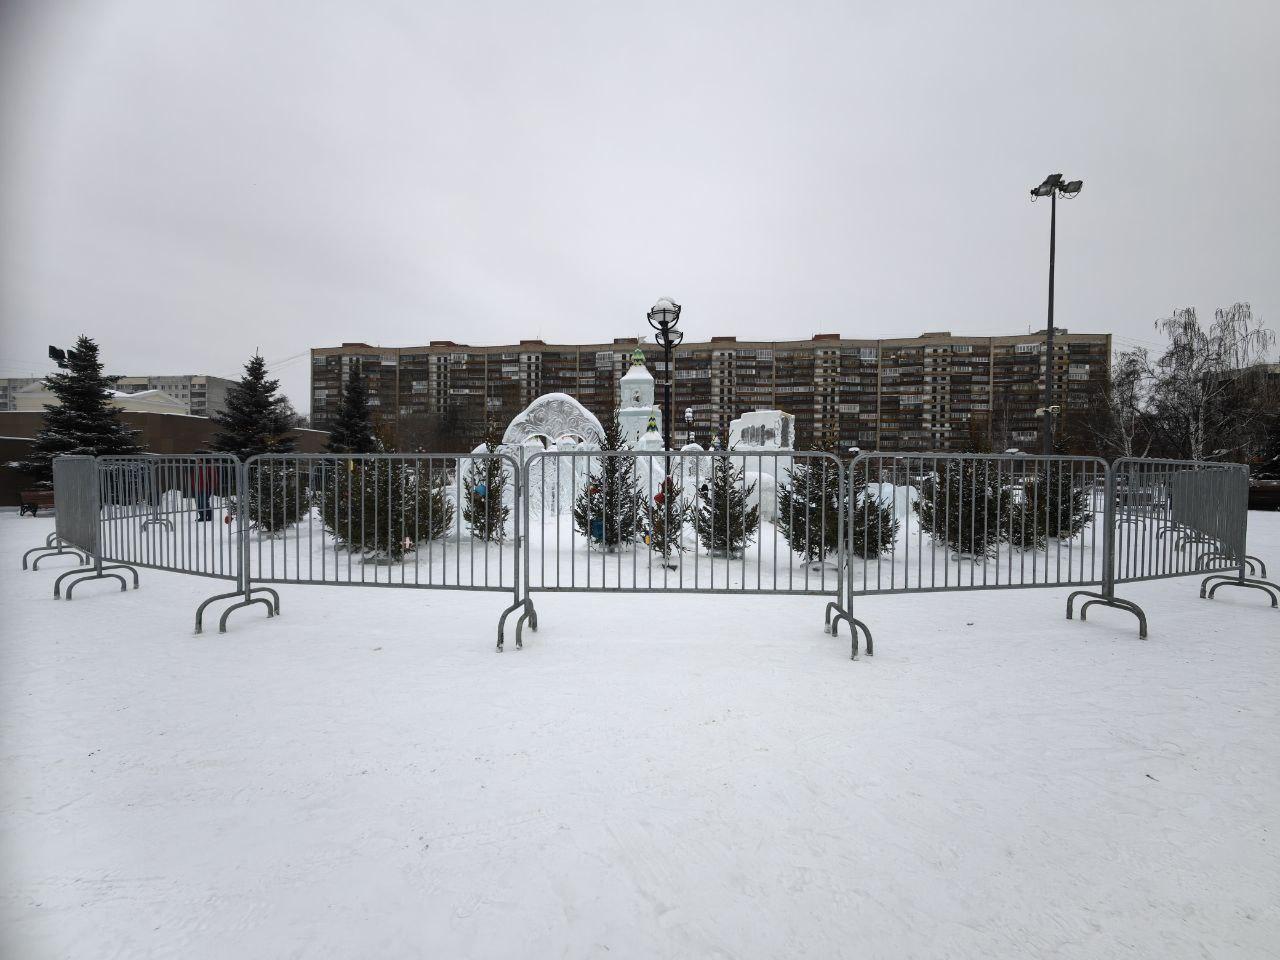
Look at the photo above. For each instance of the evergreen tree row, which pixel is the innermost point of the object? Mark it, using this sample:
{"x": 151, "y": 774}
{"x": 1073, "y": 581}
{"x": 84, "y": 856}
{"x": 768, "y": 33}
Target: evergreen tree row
{"x": 967, "y": 506}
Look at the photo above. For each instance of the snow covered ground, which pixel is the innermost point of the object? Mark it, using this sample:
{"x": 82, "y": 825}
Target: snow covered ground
{"x": 651, "y": 777}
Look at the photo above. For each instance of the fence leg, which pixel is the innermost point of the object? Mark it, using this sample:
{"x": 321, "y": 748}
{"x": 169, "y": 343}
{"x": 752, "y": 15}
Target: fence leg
{"x": 217, "y": 596}
{"x": 222, "y": 623}
{"x": 826, "y": 619}
{"x": 1238, "y": 580}
{"x": 502, "y": 620}
{"x": 530, "y": 614}
{"x": 1107, "y": 601}
{"x": 854, "y": 626}
{"x": 94, "y": 573}
{"x": 51, "y": 551}
{"x": 275, "y": 597}
{"x": 1107, "y": 597}
{"x": 274, "y": 604}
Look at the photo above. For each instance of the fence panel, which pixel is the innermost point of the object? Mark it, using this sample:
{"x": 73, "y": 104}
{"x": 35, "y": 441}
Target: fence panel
{"x": 1178, "y": 517}
{"x": 75, "y": 492}
{"x": 930, "y": 522}
{"x": 425, "y": 521}
{"x": 171, "y": 512}
{"x": 684, "y": 522}
{"x": 714, "y": 522}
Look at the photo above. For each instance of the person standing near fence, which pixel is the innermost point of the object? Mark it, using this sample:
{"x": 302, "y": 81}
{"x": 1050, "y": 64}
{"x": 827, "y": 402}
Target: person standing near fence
{"x": 204, "y": 489}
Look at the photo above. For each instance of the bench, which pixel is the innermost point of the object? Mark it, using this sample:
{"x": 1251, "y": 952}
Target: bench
{"x": 32, "y": 500}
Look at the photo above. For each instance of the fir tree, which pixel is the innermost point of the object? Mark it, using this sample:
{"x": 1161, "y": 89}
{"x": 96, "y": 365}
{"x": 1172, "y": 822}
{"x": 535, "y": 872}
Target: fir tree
{"x": 873, "y": 523}
{"x": 276, "y": 496}
{"x": 809, "y": 506}
{"x": 1054, "y": 506}
{"x": 83, "y": 422}
{"x": 964, "y": 506}
{"x": 725, "y": 522}
{"x": 353, "y": 431}
{"x": 666, "y": 514}
{"x": 484, "y": 508}
{"x": 609, "y": 508}
{"x": 256, "y": 419}
{"x": 385, "y": 507}
{"x": 335, "y": 494}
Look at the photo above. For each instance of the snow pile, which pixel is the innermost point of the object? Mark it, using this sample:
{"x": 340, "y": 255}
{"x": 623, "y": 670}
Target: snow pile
{"x": 651, "y": 777}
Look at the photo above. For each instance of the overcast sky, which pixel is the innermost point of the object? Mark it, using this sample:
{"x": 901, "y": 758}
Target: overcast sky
{"x": 190, "y": 181}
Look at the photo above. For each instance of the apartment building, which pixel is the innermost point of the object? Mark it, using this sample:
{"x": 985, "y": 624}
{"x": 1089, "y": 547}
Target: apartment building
{"x": 932, "y": 392}
{"x": 200, "y": 395}
{"x": 9, "y": 387}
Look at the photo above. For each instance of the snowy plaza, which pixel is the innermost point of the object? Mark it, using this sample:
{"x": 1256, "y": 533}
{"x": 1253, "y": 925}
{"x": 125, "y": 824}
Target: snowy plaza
{"x": 652, "y": 776}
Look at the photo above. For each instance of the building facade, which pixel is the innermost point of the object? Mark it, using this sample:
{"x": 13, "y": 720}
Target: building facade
{"x": 34, "y": 398}
{"x": 9, "y": 387}
{"x": 932, "y": 392}
{"x": 200, "y": 395}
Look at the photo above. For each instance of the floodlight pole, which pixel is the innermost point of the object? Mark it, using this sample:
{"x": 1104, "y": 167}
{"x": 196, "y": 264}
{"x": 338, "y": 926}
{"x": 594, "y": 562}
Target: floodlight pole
{"x": 1047, "y": 429}
{"x": 1052, "y": 186}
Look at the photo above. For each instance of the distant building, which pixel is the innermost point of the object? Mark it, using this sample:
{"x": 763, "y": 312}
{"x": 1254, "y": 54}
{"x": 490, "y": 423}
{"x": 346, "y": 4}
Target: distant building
{"x": 158, "y": 433}
{"x": 9, "y": 387}
{"x": 199, "y": 394}
{"x": 937, "y": 391}
{"x": 34, "y": 397}
{"x": 202, "y": 395}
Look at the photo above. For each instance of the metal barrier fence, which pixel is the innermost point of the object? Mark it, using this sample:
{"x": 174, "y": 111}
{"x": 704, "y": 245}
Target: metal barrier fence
{"x": 1183, "y": 517}
{"x": 171, "y": 513}
{"x": 928, "y": 522}
{"x": 422, "y": 521}
{"x": 709, "y": 522}
{"x": 685, "y": 522}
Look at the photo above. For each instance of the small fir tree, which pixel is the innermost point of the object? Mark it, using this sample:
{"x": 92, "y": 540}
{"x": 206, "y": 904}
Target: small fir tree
{"x": 726, "y": 522}
{"x": 353, "y": 431}
{"x": 964, "y": 506}
{"x": 84, "y": 421}
{"x": 873, "y": 524}
{"x": 1054, "y": 506}
{"x": 256, "y": 419}
{"x": 609, "y": 508}
{"x": 666, "y": 514}
{"x": 336, "y": 492}
{"x": 809, "y": 506}
{"x": 276, "y": 496}
{"x": 484, "y": 509}
{"x": 385, "y": 508}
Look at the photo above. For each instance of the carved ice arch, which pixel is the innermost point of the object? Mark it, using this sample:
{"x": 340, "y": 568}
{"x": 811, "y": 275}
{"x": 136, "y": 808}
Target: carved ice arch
{"x": 551, "y": 418}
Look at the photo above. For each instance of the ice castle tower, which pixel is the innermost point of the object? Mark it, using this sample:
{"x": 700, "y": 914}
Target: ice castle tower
{"x": 635, "y": 401}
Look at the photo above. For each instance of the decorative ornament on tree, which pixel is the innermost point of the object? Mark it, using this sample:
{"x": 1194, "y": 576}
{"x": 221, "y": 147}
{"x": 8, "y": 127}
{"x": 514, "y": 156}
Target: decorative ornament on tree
{"x": 666, "y": 517}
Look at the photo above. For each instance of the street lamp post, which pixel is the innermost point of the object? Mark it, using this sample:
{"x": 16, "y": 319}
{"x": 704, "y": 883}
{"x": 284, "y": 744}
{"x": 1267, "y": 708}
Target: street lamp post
{"x": 688, "y": 424}
{"x": 1053, "y": 186}
{"x": 664, "y": 318}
